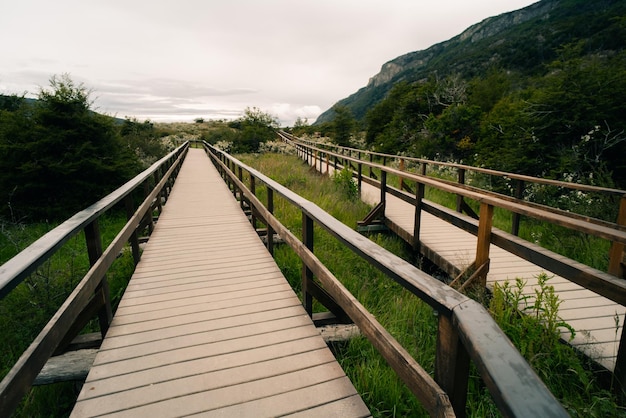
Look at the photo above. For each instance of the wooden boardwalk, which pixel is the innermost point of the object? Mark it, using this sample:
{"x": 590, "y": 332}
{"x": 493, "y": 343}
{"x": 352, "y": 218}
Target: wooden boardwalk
{"x": 208, "y": 324}
{"x": 593, "y": 317}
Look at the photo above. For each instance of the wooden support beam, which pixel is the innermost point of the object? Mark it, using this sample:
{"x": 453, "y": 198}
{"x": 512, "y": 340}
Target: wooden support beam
{"x": 94, "y": 249}
{"x": 452, "y": 364}
{"x": 616, "y": 256}
{"x": 70, "y": 366}
{"x": 484, "y": 238}
{"x": 419, "y": 196}
{"x": 401, "y": 169}
{"x": 376, "y": 214}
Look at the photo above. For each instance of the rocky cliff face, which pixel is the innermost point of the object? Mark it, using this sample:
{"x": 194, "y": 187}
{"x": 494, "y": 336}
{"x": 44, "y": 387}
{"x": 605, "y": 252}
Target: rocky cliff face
{"x": 488, "y": 28}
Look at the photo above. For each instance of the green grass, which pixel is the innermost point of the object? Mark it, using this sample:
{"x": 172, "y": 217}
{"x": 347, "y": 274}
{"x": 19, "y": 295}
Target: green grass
{"x": 26, "y": 310}
{"x": 409, "y": 320}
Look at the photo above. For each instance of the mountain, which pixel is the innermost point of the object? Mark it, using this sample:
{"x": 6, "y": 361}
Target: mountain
{"x": 524, "y": 41}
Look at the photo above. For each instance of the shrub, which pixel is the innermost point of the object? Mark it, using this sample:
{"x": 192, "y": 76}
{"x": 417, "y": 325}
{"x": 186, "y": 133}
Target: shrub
{"x": 344, "y": 182}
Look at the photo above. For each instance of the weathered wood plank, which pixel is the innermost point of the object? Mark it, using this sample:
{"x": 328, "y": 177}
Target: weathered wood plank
{"x": 71, "y": 366}
{"x": 209, "y": 325}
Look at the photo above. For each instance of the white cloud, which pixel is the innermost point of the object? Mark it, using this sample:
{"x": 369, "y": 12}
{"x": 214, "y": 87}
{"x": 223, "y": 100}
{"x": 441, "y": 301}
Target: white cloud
{"x": 287, "y": 113}
{"x": 165, "y": 60}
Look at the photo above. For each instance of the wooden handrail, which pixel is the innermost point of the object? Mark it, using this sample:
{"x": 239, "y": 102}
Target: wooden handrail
{"x": 92, "y": 289}
{"x": 607, "y": 285}
{"x": 466, "y": 329}
{"x": 504, "y": 174}
{"x": 611, "y": 284}
{"x": 17, "y": 268}
{"x": 612, "y": 233}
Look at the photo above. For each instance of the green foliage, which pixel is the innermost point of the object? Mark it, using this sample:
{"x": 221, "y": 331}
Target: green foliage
{"x": 143, "y": 138}
{"x": 343, "y": 126}
{"x": 538, "y": 93}
{"x": 533, "y": 325}
{"x": 346, "y": 184}
{"x": 253, "y": 128}
{"x": 11, "y": 103}
{"x": 57, "y": 156}
{"x": 25, "y": 311}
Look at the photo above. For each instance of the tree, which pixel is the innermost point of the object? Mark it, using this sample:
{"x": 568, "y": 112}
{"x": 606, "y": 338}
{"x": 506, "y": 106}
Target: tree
{"x": 57, "y": 156}
{"x": 343, "y": 125}
{"x": 255, "y": 127}
{"x": 143, "y": 139}
{"x": 300, "y": 126}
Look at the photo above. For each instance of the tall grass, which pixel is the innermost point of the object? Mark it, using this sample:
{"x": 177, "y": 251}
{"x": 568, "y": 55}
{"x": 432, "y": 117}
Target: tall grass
{"x": 409, "y": 320}
{"x": 27, "y": 309}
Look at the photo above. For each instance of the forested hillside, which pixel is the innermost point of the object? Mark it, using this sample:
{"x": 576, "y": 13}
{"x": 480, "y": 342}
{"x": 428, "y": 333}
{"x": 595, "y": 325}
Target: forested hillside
{"x": 538, "y": 91}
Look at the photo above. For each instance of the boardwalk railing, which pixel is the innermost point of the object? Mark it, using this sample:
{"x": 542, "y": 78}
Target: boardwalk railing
{"x": 91, "y": 294}
{"x": 609, "y": 284}
{"x": 518, "y": 184}
{"x": 466, "y": 331}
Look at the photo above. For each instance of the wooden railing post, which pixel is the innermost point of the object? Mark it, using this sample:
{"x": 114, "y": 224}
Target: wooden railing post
{"x": 307, "y": 274}
{"x": 240, "y": 177}
{"x": 134, "y": 239}
{"x": 327, "y": 163}
{"x": 419, "y": 195}
{"x": 459, "y": 198}
{"x": 423, "y": 169}
{"x": 371, "y": 160}
{"x": 359, "y": 178}
{"x": 157, "y": 179}
{"x": 147, "y": 188}
{"x": 452, "y": 364}
{"x": 270, "y": 232}
{"x": 383, "y": 189}
{"x": 401, "y": 178}
{"x": 253, "y": 191}
{"x": 519, "y": 194}
{"x": 616, "y": 257}
{"x": 484, "y": 239}
{"x": 94, "y": 250}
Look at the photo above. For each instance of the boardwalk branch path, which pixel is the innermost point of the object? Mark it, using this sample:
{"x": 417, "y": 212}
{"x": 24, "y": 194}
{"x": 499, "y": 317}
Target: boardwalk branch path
{"x": 597, "y": 321}
{"x": 208, "y": 324}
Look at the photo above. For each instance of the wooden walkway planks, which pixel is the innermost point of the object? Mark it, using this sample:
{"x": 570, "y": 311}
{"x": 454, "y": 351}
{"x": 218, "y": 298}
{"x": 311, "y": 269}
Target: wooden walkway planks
{"x": 208, "y": 324}
{"x": 593, "y": 317}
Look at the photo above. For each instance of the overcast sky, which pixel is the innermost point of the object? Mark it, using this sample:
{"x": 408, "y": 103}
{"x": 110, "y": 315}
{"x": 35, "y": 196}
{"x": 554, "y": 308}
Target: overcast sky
{"x": 179, "y": 60}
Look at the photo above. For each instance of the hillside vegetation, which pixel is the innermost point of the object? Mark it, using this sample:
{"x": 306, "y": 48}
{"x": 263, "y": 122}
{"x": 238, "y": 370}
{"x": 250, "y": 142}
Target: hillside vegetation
{"x": 57, "y": 156}
{"x": 537, "y": 91}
